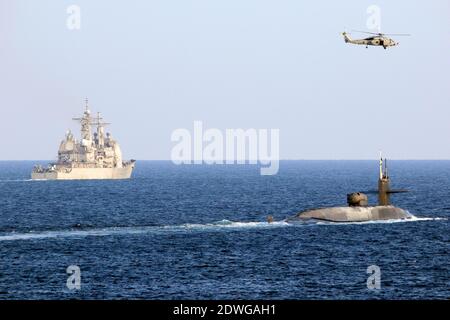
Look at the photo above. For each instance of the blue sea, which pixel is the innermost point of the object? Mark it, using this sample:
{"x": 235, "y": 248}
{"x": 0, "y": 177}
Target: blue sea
{"x": 200, "y": 232}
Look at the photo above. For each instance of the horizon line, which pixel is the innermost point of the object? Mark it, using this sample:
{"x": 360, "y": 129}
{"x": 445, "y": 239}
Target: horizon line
{"x": 224, "y": 160}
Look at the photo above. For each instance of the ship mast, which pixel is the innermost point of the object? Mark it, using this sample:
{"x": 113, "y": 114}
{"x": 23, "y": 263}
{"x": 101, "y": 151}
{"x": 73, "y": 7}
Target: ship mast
{"x": 383, "y": 184}
{"x": 381, "y": 166}
{"x": 100, "y": 130}
{"x": 85, "y": 121}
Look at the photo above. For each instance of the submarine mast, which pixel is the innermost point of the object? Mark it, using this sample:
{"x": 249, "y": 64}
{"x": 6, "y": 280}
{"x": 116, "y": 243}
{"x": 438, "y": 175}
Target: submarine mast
{"x": 383, "y": 184}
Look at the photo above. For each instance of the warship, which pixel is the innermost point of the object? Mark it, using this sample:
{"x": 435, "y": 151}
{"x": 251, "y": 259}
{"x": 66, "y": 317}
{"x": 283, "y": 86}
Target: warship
{"x": 94, "y": 156}
{"x": 358, "y": 209}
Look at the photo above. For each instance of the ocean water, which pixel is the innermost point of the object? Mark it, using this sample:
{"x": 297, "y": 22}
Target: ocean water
{"x": 200, "y": 232}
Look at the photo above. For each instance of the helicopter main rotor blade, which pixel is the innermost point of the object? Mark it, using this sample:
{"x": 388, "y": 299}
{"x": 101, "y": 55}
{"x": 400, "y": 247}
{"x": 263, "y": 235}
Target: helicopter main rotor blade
{"x": 383, "y": 34}
{"x": 377, "y": 33}
{"x": 396, "y": 34}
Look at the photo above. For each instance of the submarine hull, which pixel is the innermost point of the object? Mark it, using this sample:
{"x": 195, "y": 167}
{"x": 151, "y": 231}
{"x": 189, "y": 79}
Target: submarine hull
{"x": 353, "y": 214}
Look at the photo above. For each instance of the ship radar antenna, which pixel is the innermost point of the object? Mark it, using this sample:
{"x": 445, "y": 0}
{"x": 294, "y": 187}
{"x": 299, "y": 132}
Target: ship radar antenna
{"x": 97, "y": 121}
{"x": 87, "y": 104}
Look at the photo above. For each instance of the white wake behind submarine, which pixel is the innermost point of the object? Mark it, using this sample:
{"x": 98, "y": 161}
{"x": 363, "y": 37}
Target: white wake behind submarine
{"x": 358, "y": 209}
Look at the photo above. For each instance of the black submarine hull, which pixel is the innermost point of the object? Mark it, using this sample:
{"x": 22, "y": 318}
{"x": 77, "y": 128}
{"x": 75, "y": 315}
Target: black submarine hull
{"x": 352, "y": 214}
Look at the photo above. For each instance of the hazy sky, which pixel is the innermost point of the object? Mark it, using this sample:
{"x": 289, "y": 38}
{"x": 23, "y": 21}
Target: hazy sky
{"x": 154, "y": 66}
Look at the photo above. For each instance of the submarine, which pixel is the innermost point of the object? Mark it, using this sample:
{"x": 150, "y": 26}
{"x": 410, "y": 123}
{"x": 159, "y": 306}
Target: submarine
{"x": 358, "y": 209}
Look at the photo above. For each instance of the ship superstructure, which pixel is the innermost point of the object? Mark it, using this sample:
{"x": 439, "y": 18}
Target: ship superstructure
{"x": 95, "y": 156}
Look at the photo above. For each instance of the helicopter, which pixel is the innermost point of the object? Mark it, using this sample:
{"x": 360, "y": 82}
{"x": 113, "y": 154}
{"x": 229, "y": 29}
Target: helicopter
{"x": 379, "y": 39}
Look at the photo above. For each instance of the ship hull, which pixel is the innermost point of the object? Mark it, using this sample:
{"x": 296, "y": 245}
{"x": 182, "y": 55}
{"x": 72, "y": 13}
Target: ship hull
{"x": 353, "y": 214}
{"x": 85, "y": 174}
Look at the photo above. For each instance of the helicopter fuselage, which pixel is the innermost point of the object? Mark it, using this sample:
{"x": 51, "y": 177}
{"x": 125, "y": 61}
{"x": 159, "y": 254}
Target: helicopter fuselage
{"x": 371, "y": 41}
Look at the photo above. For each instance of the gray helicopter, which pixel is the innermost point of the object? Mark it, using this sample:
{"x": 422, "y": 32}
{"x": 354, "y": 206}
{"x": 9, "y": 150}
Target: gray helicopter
{"x": 379, "y": 39}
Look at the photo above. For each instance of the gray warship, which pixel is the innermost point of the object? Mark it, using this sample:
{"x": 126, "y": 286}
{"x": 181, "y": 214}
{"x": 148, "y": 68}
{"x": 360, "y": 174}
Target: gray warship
{"x": 95, "y": 156}
{"x": 358, "y": 209}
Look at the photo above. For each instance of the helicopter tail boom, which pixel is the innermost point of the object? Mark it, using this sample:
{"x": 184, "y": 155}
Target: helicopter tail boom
{"x": 346, "y": 37}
